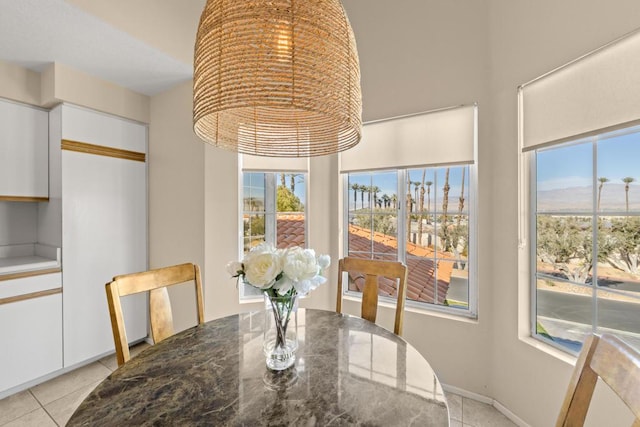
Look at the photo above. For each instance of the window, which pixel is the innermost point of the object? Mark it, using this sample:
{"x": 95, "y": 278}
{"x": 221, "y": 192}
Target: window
{"x": 273, "y": 211}
{"x": 409, "y": 195}
{"x": 586, "y": 239}
{"x": 421, "y": 217}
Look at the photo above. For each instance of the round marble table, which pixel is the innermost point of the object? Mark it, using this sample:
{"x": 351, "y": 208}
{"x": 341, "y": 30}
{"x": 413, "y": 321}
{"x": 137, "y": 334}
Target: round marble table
{"x": 348, "y": 371}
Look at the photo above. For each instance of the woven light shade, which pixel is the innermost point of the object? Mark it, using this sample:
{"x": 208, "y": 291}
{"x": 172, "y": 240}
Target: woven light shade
{"x": 277, "y": 78}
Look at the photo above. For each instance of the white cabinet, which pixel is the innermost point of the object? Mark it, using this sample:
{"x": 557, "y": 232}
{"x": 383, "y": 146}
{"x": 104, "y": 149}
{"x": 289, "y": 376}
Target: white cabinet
{"x": 104, "y": 227}
{"x": 31, "y": 332}
{"x": 24, "y": 151}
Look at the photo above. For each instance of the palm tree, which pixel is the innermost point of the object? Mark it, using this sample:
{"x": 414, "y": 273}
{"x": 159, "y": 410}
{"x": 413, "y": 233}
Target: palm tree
{"x": 627, "y": 180}
{"x": 428, "y": 184}
{"x": 282, "y": 180}
{"x": 602, "y": 180}
{"x": 445, "y": 205}
{"x": 375, "y": 190}
{"x": 293, "y": 177}
{"x": 416, "y": 185}
{"x": 461, "y": 199}
{"x": 355, "y": 187}
{"x": 386, "y": 200}
{"x": 421, "y": 201}
{"x": 363, "y": 189}
{"x": 394, "y": 200}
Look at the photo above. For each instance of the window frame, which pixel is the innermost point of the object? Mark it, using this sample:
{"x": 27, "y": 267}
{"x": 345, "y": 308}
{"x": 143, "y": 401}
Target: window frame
{"x": 472, "y": 311}
{"x": 593, "y": 213}
{"x": 270, "y": 218}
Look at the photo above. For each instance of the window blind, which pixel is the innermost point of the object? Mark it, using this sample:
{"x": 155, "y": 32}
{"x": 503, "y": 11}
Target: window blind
{"x": 274, "y": 164}
{"x": 597, "y": 92}
{"x": 433, "y": 138}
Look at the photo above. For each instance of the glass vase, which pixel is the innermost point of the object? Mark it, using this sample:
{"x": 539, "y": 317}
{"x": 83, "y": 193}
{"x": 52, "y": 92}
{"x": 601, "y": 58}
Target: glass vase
{"x": 280, "y": 331}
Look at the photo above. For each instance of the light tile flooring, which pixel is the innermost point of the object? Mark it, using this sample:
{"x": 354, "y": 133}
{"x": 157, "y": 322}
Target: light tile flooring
{"x": 52, "y": 403}
{"x": 471, "y": 413}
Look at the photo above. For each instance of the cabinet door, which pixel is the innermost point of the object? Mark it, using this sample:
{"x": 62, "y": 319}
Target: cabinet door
{"x": 31, "y": 337}
{"x": 24, "y": 166}
{"x": 104, "y": 234}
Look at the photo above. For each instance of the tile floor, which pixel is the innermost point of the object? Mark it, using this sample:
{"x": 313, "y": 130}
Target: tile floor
{"x": 52, "y": 403}
{"x": 465, "y": 412}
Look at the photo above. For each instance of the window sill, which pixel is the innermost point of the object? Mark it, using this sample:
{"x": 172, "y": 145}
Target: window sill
{"x": 434, "y": 312}
{"x": 549, "y": 349}
{"x": 443, "y": 314}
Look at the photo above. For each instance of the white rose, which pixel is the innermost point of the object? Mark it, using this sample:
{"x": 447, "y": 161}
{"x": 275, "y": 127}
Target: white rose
{"x": 303, "y": 287}
{"x": 261, "y": 268}
{"x": 324, "y": 261}
{"x": 300, "y": 264}
{"x": 234, "y": 268}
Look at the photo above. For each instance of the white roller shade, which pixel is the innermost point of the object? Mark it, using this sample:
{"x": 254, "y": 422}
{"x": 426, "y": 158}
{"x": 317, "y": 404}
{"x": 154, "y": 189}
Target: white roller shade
{"x": 435, "y": 138}
{"x": 274, "y": 164}
{"x": 600, "y": 91}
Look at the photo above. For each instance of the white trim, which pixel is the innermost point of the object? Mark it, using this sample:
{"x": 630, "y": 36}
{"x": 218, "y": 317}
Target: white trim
{"x": 507, "y": 413}
{"x": 468, "y": 394}
{"x": 488, "y": 400}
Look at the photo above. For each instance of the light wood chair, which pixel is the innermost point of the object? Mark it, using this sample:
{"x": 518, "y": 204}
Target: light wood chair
{"x": 155, "y": 282}
{"x": 372, "y": 271}
{"x": 617, "y": 364}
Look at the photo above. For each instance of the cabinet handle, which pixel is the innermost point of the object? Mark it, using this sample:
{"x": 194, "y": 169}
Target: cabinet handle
{"x": 32, "y": 295}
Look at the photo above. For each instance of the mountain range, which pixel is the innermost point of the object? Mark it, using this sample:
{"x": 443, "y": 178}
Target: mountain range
{"x": 581, "y": 199}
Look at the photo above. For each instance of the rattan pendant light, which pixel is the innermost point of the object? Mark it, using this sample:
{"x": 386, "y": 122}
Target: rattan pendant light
{"x": 277, "y": 78}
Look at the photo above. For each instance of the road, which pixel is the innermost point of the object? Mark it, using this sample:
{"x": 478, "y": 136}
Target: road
{"x": 577, "y": 308}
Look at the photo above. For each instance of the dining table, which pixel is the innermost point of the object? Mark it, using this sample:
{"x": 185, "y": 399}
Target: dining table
{"x": 348, "y": 371}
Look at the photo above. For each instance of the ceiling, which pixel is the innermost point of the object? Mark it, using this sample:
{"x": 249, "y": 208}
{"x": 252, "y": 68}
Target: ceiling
{"x": 143, "y": 45}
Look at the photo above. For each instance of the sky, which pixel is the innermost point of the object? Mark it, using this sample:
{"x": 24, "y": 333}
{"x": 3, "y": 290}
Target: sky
{"x": 571, "y": 165}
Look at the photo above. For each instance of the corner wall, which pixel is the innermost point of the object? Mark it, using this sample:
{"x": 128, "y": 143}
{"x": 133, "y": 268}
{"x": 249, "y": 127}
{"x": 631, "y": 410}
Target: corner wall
{"x": 416, "y": 56}
{"x": 528, "y": 39}
{"x": 176, "y": 194}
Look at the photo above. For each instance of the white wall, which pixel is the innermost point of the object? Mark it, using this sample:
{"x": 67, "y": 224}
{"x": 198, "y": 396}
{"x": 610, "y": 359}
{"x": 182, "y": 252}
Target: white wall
{"x": 176, "y": 193}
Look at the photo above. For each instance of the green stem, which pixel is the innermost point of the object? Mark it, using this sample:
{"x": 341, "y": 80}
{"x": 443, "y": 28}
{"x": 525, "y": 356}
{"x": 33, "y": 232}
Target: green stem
{"x": 281, "y": 327}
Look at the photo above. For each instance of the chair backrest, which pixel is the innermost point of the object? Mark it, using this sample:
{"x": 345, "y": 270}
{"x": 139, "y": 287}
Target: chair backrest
{"x": 155, "y": 282}
{"x": 617, "y": 364}
{"x": 372, "y": 270}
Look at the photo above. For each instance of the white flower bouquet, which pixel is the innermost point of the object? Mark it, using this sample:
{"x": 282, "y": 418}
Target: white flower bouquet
{"x": 281, "y": 272}
{"x": 282, "y": 275}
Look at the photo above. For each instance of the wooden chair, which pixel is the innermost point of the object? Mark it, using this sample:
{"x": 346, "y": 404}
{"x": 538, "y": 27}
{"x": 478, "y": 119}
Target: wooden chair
{"x": 372, "y": 271}
{"x": 617, "y": 364}
{"x": 155, "y": 282}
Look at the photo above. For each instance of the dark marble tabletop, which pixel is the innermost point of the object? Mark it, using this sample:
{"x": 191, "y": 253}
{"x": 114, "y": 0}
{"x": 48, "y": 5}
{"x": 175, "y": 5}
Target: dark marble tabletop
{"x": 348, "y": 372}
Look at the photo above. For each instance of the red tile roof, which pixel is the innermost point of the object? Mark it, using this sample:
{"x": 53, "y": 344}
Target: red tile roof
{"x": 421, "y": 283}
{"x": 290, "y": 230}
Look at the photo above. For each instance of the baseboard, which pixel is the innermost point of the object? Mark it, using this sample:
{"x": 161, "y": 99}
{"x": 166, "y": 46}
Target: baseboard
{"x": 467, "y": 394}
{"x": 489, "y": 401}
{"x": 507, "y": 413}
